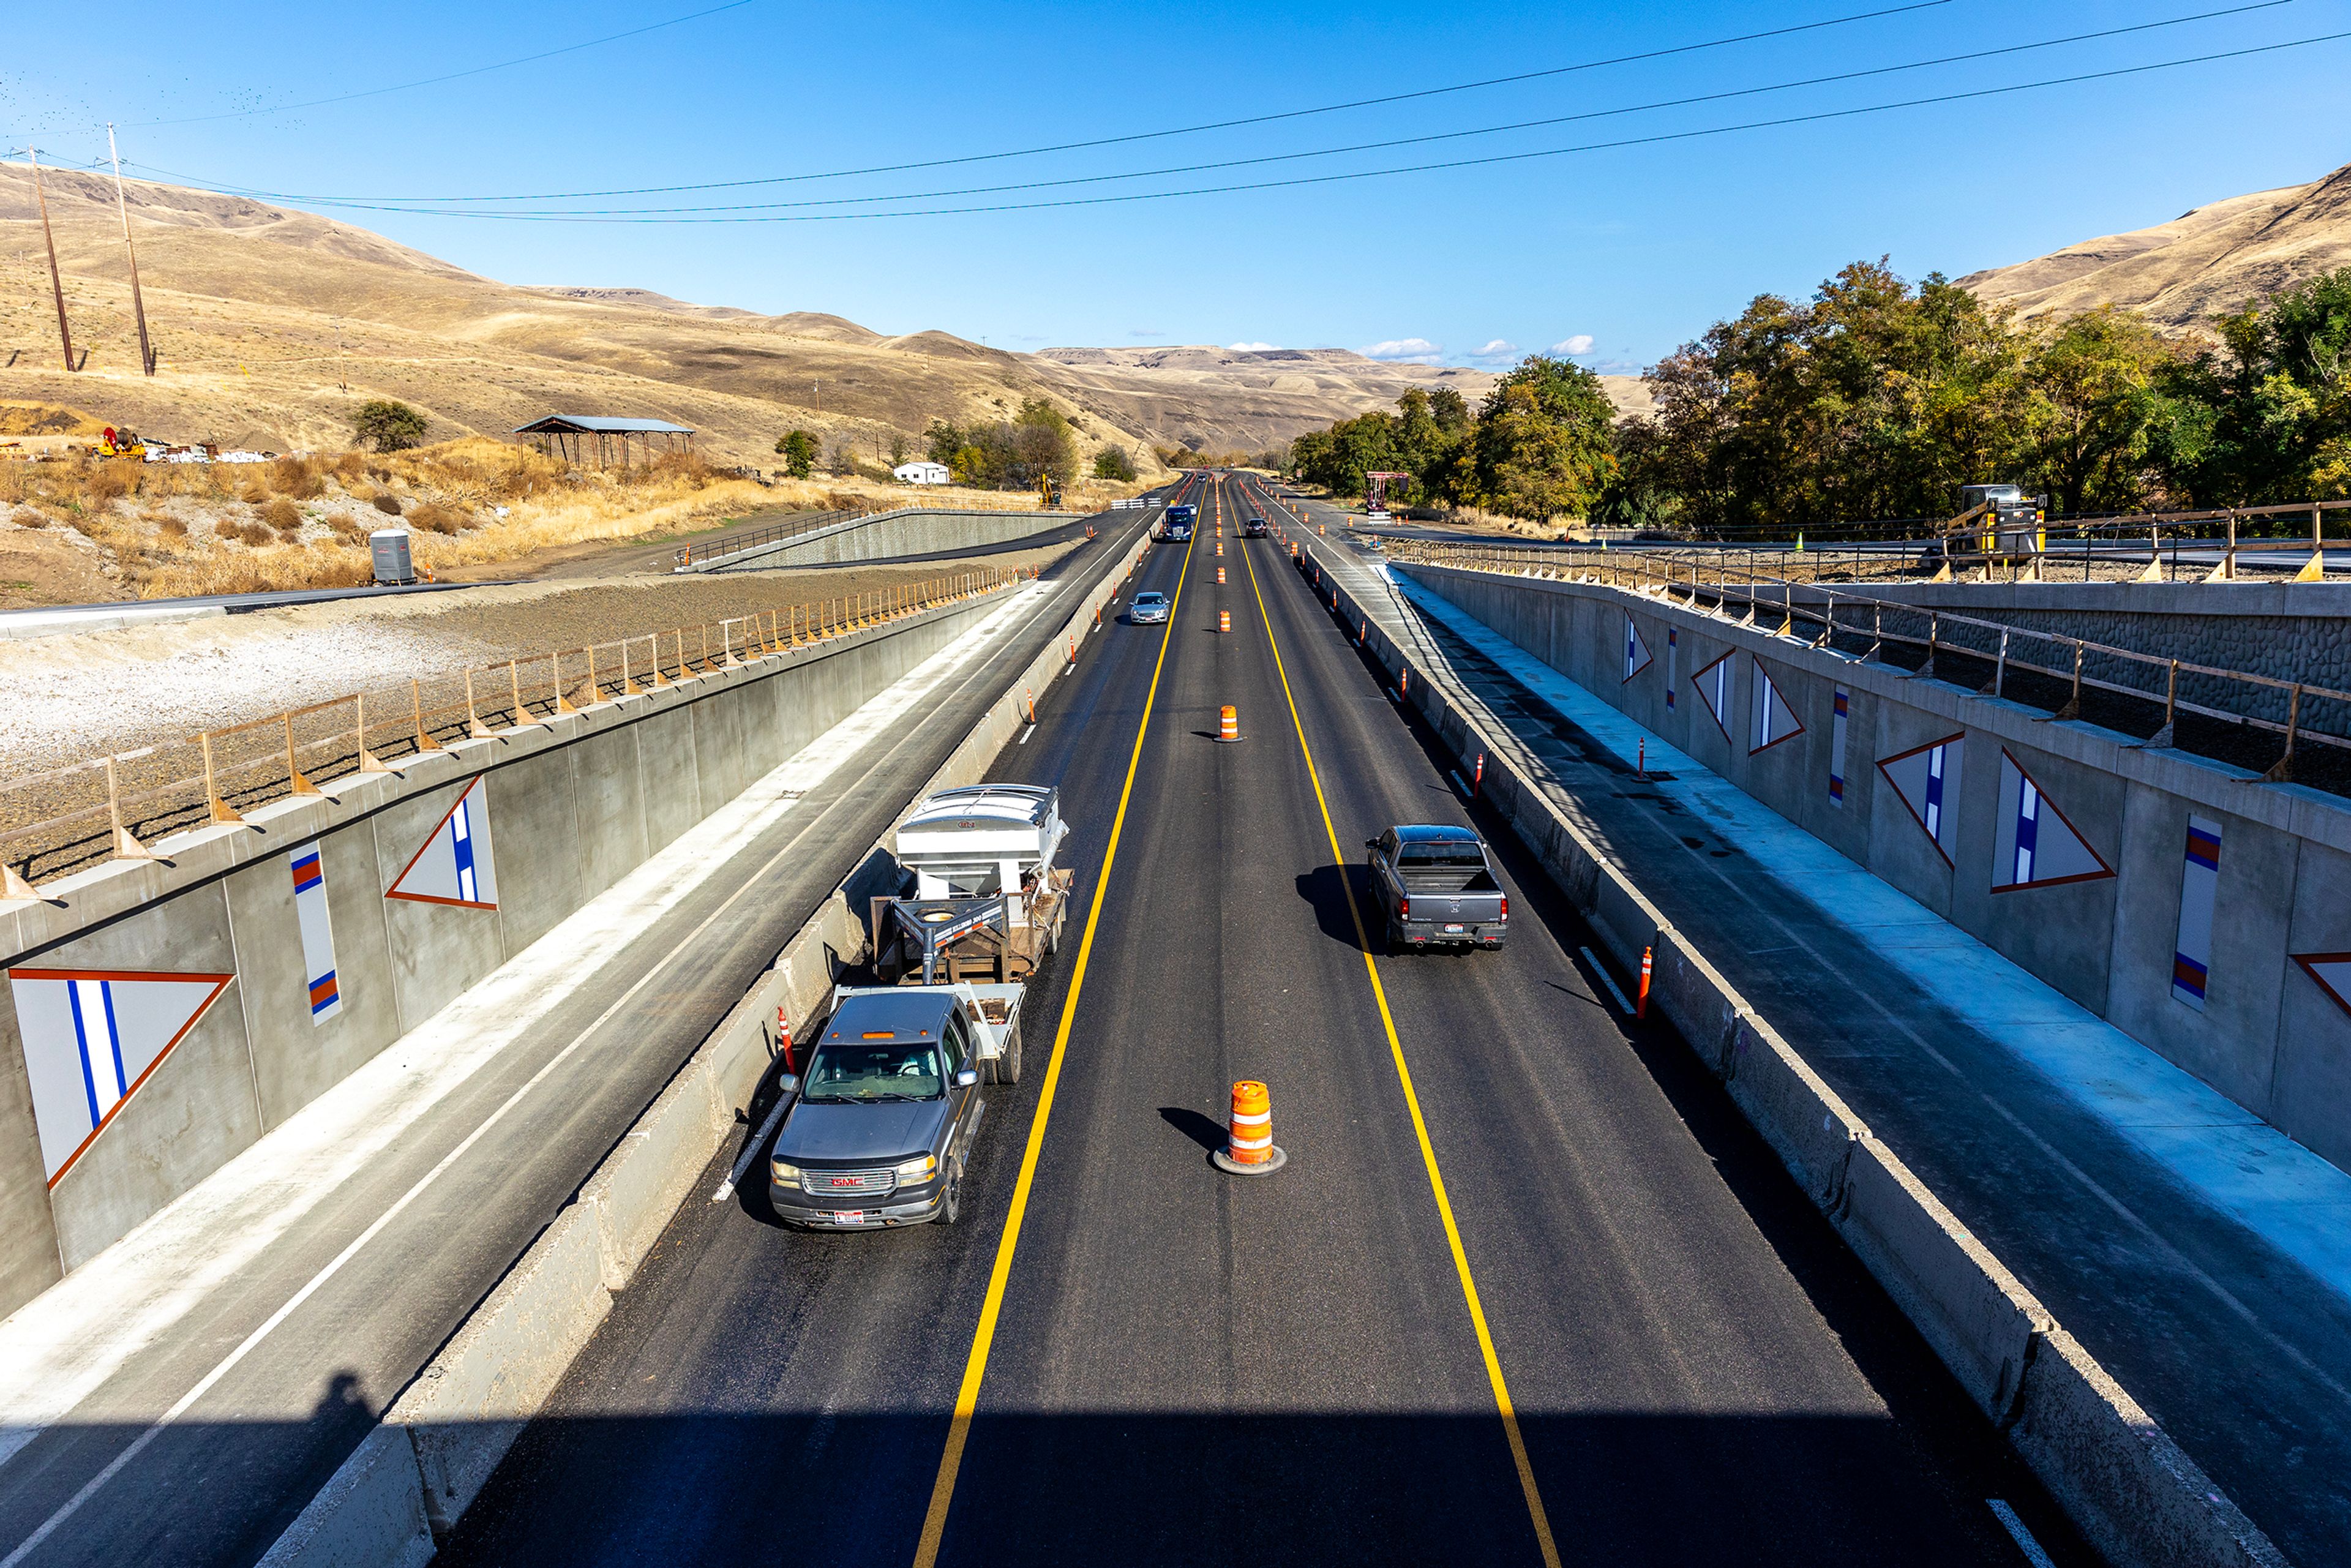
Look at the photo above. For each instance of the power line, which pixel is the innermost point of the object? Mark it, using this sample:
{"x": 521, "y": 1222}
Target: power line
{"x": 1367, "y": 146}
{"x": 453, "y": 76}
{"x": 1139, "y": 135}
{"x": 1661, "y": 137}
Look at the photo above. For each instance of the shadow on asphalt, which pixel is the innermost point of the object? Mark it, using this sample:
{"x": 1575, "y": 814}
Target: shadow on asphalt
{"x": 1194, "y": 1127}
{"x": 1327, "y": 889}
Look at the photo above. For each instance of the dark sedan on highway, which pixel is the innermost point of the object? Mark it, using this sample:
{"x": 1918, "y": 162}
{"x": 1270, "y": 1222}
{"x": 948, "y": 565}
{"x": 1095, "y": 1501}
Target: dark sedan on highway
{"x": 1254, "y": 528}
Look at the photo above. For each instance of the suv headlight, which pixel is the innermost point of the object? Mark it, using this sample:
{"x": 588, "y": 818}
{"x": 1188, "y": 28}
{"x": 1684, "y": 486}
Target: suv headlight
{"x": 918, "y": 1170}
{"x": 787, "y": 1176}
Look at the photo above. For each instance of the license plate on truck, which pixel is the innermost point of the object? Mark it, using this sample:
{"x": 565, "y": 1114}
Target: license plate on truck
{"x": 1452, "y": 928}
{"x": 848, "y": 1216}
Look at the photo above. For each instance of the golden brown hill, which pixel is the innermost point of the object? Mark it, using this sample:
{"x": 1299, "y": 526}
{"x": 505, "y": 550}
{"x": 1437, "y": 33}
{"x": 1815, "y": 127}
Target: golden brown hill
{"x": 272, "y": 326}
{"x": 2202, "y": 264}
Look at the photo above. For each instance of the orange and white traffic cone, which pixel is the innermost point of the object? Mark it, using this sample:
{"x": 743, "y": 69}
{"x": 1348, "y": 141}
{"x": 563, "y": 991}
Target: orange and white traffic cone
{"x": 1250, "y": 1148}
{"x": 1229, "y": 723}
{"x": 1220, "y": 576}
{"x": 1221, "y": 546}
{"x": 1224, "y": 620}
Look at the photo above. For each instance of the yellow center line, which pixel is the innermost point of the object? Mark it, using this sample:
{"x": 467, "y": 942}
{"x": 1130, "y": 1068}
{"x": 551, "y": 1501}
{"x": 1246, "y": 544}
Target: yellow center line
{"x": 934, "y": 1520}
{"x": 1535, "y": 1510}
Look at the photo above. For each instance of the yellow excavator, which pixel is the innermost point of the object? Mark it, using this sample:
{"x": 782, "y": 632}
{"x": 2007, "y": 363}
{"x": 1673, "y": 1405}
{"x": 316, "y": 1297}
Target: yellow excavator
{"x": 1048, "y": 491}
{"x": 120, "y": 443}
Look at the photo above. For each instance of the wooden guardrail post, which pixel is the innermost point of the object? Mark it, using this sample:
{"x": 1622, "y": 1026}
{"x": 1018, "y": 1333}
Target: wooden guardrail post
{"x": 2281, "y": 772}
{"x": 369, "y": 761}
{"x": 218, "y": 810}
{"x": 2168, "y": 734}
{"x": 475, "y": 728}
{"x": 127, "y": 847}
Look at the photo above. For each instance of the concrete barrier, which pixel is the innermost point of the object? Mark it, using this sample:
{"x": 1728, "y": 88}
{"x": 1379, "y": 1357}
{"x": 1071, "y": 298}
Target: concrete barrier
{"x": 464, "y": 1410}
{"x": 371, "y": 1515}
{"x": 2134, "y": 1494}
{"x": 883, "y": 535}
{"x": 442, "y": 1438}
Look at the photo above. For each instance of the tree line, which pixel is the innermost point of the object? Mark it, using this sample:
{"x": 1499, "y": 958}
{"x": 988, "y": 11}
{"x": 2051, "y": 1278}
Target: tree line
{"x": 1876, "y": 399}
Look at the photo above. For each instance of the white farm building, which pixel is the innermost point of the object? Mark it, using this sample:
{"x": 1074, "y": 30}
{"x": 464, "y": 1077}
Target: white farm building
{"x": 921, "y": 472}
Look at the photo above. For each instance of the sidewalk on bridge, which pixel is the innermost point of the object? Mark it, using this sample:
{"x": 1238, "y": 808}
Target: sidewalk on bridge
{"x": 2202, "y": 1257}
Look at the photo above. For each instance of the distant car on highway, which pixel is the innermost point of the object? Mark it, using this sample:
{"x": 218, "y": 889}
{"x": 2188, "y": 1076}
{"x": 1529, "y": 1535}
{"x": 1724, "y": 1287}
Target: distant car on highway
{"x": 885, "y": 1112}
{"x": 1254, "y": 528}
{"x": 1434, "y": 885}
{"x": 1147, "y": 607}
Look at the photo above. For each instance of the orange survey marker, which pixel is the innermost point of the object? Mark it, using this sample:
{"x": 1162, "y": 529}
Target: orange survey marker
{"x": 1229, "y": 723}
{"x": 1250, "y": 1148}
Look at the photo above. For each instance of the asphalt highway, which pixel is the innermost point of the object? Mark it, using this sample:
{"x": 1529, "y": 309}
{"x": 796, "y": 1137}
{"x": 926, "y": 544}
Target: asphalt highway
{"x": 1527, "y": 1290}
{"x": 252, "y": 1440}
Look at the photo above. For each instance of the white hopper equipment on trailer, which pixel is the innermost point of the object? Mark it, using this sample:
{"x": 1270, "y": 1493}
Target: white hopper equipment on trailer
{"x": 987, "y": 901}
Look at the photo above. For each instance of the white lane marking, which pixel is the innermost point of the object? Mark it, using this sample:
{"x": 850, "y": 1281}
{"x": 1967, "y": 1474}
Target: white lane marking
{"x": 212, "y": 1233}
{"x": 2021, "y": 1536}
{"x": 1606, "y": 979}
{"x": 1025, "y": 734}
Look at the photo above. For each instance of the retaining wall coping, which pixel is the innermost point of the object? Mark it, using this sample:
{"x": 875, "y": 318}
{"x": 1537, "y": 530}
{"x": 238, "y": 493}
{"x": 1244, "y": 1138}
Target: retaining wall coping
{"x": 2311, "y": 814}
{"x": 2318, "y": 600}
{"x": 95, "y": 895}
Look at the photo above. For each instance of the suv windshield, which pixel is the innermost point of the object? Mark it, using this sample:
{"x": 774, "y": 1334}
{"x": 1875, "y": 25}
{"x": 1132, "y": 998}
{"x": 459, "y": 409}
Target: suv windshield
{"x": 874, "y": 1070}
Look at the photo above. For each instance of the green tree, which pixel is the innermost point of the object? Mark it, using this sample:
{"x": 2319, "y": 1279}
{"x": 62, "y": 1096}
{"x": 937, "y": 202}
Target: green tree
{"x": 1043, "y": 443}
{"x": 2266, "y": 418}
{"x": 898, "y": 448}
{"x": 1114, "y": 463}
{"x": 2095, "y": 410}
{"x": 1544, "y": 440}
{"x": 941, "y": 442}
{"x": 387, "y": 425}
{"x": 799, "y": 450}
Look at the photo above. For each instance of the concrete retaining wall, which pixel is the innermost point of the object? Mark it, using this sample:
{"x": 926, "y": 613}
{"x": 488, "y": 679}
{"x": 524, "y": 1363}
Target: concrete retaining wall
{"x": 2268, "y": 1034}
{"x": 559, "y": 811}
{"x": 405, "y": 1487}
{"x": 887, "y": 535}
{"x": 2134, "y": 1494}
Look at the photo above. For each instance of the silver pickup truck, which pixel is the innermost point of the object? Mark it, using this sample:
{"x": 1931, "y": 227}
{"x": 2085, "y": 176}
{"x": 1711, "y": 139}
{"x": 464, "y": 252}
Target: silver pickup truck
{"x": 886, "y": 1108}
{"x": 1433, "y": 885}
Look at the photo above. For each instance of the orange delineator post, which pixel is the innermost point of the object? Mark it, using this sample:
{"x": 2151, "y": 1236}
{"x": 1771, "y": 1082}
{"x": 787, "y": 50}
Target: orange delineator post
{"x": 1641, "y": 1003}
{"x": 1251, "y": 1137}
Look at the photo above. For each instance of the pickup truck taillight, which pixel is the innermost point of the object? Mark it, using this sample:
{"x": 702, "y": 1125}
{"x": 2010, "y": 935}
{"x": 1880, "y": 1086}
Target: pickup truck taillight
{"x": 1403, "y": 908}
{"x": 1506, "y": 906}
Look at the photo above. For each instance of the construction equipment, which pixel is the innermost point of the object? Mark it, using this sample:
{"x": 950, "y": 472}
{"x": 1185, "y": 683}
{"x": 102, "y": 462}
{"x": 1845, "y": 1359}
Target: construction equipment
{"x": 2001, "y": 522}
{"x": 1048, "y": 491}
{"x": 114, "y": 442}
{"x": 1376, "y": 497}
{"x": 987, "y": 901}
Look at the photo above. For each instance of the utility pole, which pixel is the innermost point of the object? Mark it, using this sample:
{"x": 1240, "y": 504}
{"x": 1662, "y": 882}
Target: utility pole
{"x": 137, "y": 304}
{"x": 56, "y": 284}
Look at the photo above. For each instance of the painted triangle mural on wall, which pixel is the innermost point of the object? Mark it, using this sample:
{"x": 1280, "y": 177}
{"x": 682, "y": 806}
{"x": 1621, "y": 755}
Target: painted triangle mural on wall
{"x": 91, "y": 1037}
{"x": 1926, "y": 779}
{"x": 1636, "y": 652}
{"x": 455, "y": 865}
{"x": 2038, "y": 845}
{"x": 1713, "y": 683}
{"x": 1775, "y": 721}
{"x": 2332, "y": 973}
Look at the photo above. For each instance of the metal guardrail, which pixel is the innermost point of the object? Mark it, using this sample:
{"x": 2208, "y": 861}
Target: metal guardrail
{"x": 108, "y": 808}
{"x": 2118, "y": 688}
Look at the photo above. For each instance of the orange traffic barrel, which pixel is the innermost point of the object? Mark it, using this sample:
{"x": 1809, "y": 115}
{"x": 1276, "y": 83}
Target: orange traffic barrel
{"x": 1249, "y": 1142}
{"x": 1220, "y": 576}
{"x": 1221, "y": 546}
{"x": 1229, "y": 723}
{"x": 1224, "y": 620}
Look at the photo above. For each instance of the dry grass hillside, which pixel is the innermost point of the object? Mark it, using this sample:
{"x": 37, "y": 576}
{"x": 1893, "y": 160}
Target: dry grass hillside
{"x": 273, "y": 325}
{"x": 2200, "y": 265}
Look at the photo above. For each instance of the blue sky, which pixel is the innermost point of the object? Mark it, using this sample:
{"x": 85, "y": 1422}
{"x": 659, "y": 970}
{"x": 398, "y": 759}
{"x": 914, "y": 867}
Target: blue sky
{"x": 1618, "y": 254}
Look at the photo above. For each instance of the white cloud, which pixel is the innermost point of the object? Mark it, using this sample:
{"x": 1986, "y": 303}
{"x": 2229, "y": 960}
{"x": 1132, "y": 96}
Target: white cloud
{"x": 1418, "y": 351}
{"x": 1252, "y": 348}
{"x": 1500, "y": 347}
{"x": 1579, "y": 344}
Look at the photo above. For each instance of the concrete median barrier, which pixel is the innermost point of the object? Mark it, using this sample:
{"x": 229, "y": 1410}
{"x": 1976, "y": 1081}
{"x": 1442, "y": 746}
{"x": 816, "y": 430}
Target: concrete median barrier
{"x": 466, "y": 1408}
{"x": 2133, "y": 1492}
{"x": 443, "y": 1438}
{"x": 371, "y": 1515}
